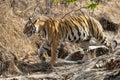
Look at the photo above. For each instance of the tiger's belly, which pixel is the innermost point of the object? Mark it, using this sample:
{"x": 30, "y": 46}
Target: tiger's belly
{"x": 77, "y": 37}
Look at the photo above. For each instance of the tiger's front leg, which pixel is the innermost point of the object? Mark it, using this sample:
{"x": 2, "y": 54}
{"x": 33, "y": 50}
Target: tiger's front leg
{"x": 54, "y": 52}
{"x": 44, "y": 51}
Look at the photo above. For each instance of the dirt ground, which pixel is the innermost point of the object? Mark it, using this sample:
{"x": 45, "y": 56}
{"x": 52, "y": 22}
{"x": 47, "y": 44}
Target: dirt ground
{"x": 18, "y": 53}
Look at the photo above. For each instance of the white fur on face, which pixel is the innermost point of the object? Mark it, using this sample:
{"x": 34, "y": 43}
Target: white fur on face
{"x": 37, "y": 29}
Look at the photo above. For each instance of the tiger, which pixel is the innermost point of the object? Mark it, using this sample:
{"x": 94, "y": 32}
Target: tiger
{"x": 73, "y": 29}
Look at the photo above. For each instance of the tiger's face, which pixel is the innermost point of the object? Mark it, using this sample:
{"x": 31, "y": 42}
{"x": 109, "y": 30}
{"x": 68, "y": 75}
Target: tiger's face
{"x": 29, "y": 28}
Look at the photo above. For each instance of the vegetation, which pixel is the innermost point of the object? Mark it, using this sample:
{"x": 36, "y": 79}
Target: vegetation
{"x": 69, "y": 1}
{"x": 92, "y": 5}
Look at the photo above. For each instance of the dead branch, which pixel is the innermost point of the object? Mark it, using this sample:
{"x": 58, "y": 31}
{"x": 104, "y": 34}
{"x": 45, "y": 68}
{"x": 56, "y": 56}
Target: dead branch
{"x": 74, "y": 11}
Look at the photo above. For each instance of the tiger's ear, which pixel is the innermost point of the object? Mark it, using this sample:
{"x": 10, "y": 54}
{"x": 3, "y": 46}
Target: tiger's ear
{"x": 31, "y": 19}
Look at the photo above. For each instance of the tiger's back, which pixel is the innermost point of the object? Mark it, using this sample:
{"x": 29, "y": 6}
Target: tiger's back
{"x": 80, "y": 29}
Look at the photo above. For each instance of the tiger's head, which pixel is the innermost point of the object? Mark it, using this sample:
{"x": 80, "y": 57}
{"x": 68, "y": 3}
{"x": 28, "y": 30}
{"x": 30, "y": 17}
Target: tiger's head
{"x": 29, "y": 28}
{"x": 33, "y": 26}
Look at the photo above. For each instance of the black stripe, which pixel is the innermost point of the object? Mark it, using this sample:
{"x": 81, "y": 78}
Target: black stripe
{"x": 70, "y": 29}
{"x": 80, "y": 22}
{"x": 78, "y": 32}
{"x": 98, "y": 32}
{"x": 71, "y": 33}
{"x": 76, "y": 27}
{"x": 83, "y": 34}
{"x": 91, "y": 27}
{"x": 77, "y": 41}
{"x": 60, "y": 25}
{"x": 74, "y": 38}
{"x": 102, "y": 42}
{"x": 66, "y": 33}
{"x": 44, "y": 31}
{"x": 46, "y": 48}
{"x": 88, "y": 39}
{"x": 66, "y": 29}
{"x": 69, "y": 38}
{"x": 35, "y": 21}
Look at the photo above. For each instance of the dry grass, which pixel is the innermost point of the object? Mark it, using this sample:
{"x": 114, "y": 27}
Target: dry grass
{"x": 13, "y": 16}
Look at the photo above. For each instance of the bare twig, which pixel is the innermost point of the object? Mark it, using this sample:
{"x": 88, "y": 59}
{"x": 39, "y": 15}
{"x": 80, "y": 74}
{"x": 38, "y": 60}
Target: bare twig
{"x": 74, "y": 11}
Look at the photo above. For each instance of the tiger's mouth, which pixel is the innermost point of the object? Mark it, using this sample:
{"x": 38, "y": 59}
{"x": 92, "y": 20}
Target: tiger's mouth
{"x": 29, "y": 35}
